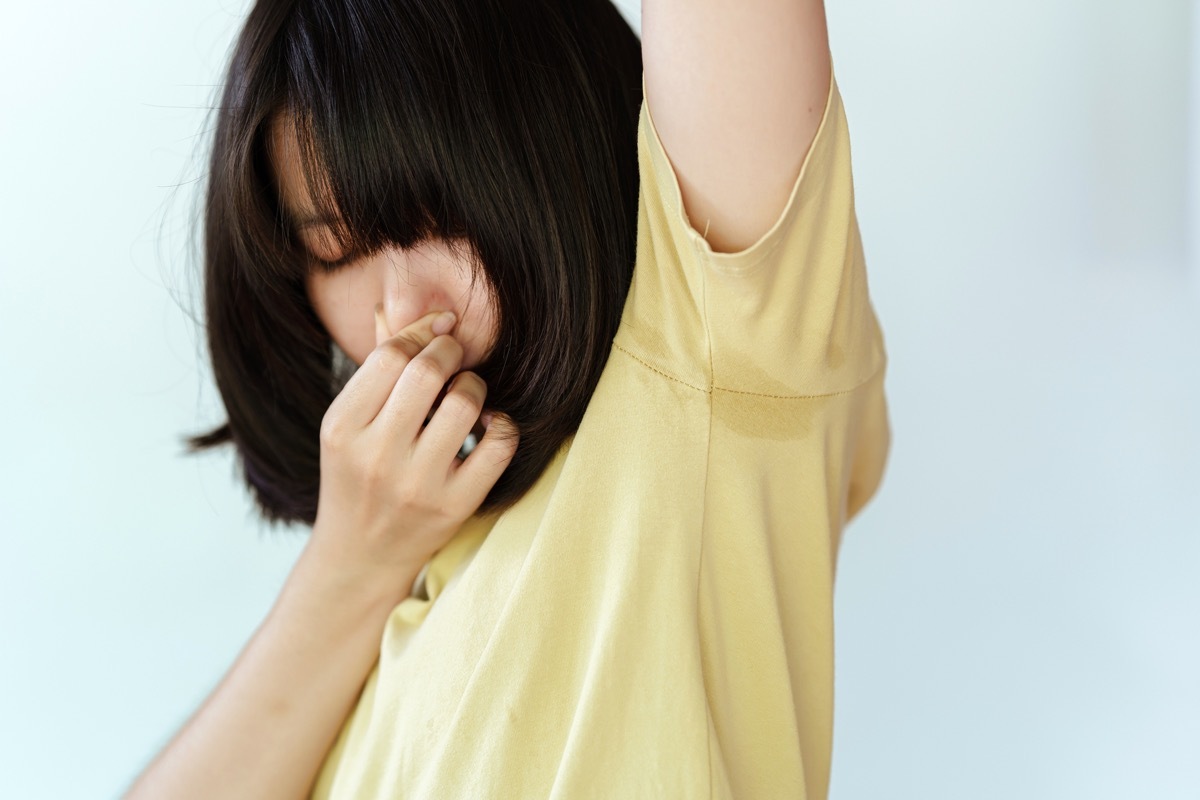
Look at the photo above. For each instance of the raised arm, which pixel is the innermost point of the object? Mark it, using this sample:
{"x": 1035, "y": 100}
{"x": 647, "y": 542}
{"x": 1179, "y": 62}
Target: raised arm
{"x": 736, "y": 89}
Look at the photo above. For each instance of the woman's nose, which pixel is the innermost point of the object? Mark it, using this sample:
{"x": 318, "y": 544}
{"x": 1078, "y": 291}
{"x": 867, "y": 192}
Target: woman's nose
{"x": 412, "y": 285}
{"x": 395, "y": 290}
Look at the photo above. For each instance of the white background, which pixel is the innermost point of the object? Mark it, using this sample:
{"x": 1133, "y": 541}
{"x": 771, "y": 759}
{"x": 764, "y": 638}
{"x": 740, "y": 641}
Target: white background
{"x": 1018, "y": 610}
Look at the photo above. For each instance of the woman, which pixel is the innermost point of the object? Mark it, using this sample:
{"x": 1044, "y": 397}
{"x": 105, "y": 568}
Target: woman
{"x": 661, "y": 318}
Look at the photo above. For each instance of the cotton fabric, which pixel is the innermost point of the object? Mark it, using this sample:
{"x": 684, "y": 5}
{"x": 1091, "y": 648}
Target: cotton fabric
{"x": 654, "y": 619}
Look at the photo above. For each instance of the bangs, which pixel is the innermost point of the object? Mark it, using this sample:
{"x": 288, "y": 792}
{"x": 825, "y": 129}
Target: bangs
{"x": 372, "y": 169}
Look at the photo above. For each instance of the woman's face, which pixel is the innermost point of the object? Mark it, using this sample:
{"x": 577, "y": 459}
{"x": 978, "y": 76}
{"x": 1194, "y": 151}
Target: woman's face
{"x": 410, "y": 283}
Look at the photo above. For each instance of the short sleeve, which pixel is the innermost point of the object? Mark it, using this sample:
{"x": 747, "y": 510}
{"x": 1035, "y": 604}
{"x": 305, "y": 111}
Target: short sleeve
{"x": 788, "y": 316}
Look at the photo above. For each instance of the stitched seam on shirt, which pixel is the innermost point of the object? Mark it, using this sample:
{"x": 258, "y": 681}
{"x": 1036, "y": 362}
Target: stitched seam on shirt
{"x": 653, "y": 368}
{"x": 851, "y": 390}
{"x": 743, "y": 269}
{"x": 668, "y": 179}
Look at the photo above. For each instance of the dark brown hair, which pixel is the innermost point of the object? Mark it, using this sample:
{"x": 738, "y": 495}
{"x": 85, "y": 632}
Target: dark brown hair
{"x": 510, "y": 124}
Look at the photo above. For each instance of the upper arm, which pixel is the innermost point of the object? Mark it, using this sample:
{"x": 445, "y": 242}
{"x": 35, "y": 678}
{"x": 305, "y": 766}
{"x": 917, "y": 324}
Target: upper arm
{"x": 737, "y": 89}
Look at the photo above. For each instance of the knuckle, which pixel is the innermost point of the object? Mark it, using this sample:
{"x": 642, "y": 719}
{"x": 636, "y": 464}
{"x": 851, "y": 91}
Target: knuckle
{"x": 441, "y": 508}
{"x": 389, "y": 360}
{"x": 372, "y": 470}
{"x": 425, "y": 369}
{"x": 461, "y": 406}
{"x": 453, "y": 345}
{"x": 473, "y": 385}
{"x": 413, "y": 497}
{"x": 447, "y": 350}
{"x": 408, "y": 343}
{"x": 398, "y": 351}
{"x": 407, "y": 496}
{"x": 332, "y": 432}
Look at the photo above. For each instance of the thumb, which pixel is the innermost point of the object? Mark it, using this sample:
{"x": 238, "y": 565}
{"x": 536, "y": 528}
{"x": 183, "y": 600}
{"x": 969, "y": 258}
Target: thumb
{"x": 381, "y": 328}
{"x": 422, "y": 330}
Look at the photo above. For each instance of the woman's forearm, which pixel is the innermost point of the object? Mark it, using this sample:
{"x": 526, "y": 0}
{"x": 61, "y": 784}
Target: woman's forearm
{"x": 265, "y": 730}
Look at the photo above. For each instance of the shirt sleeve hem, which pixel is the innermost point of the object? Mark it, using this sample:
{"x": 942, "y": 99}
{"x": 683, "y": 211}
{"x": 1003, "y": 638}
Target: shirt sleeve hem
{"x": 747, "y": 258}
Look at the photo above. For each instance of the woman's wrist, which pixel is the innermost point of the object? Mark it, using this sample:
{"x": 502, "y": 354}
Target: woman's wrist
{"x": 355, "y": 583}
{"x": 292, "y": 685}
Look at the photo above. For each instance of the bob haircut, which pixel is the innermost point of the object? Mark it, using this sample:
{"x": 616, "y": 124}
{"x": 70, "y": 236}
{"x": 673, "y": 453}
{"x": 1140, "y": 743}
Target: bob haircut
{"x": 508, "y": 125}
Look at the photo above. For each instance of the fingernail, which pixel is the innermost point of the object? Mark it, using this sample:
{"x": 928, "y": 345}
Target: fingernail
{"x": 444, "y": 322}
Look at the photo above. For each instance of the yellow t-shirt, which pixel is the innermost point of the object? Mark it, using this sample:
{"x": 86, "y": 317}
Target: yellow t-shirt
{"x": 654, "y": 619}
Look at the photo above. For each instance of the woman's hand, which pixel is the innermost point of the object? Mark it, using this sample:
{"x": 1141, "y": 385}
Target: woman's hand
{"x": 394, "y": 492}
{"x": 391, "y": 495}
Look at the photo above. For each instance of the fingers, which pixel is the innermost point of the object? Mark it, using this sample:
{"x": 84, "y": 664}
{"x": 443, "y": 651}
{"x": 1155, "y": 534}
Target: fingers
{"x": 443, "y": 437}
{"x": 477, "y": 474}
{"x": 418, "y": 386}
{"x": 443, "y": 322}
{"x": 365, "y": 394}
